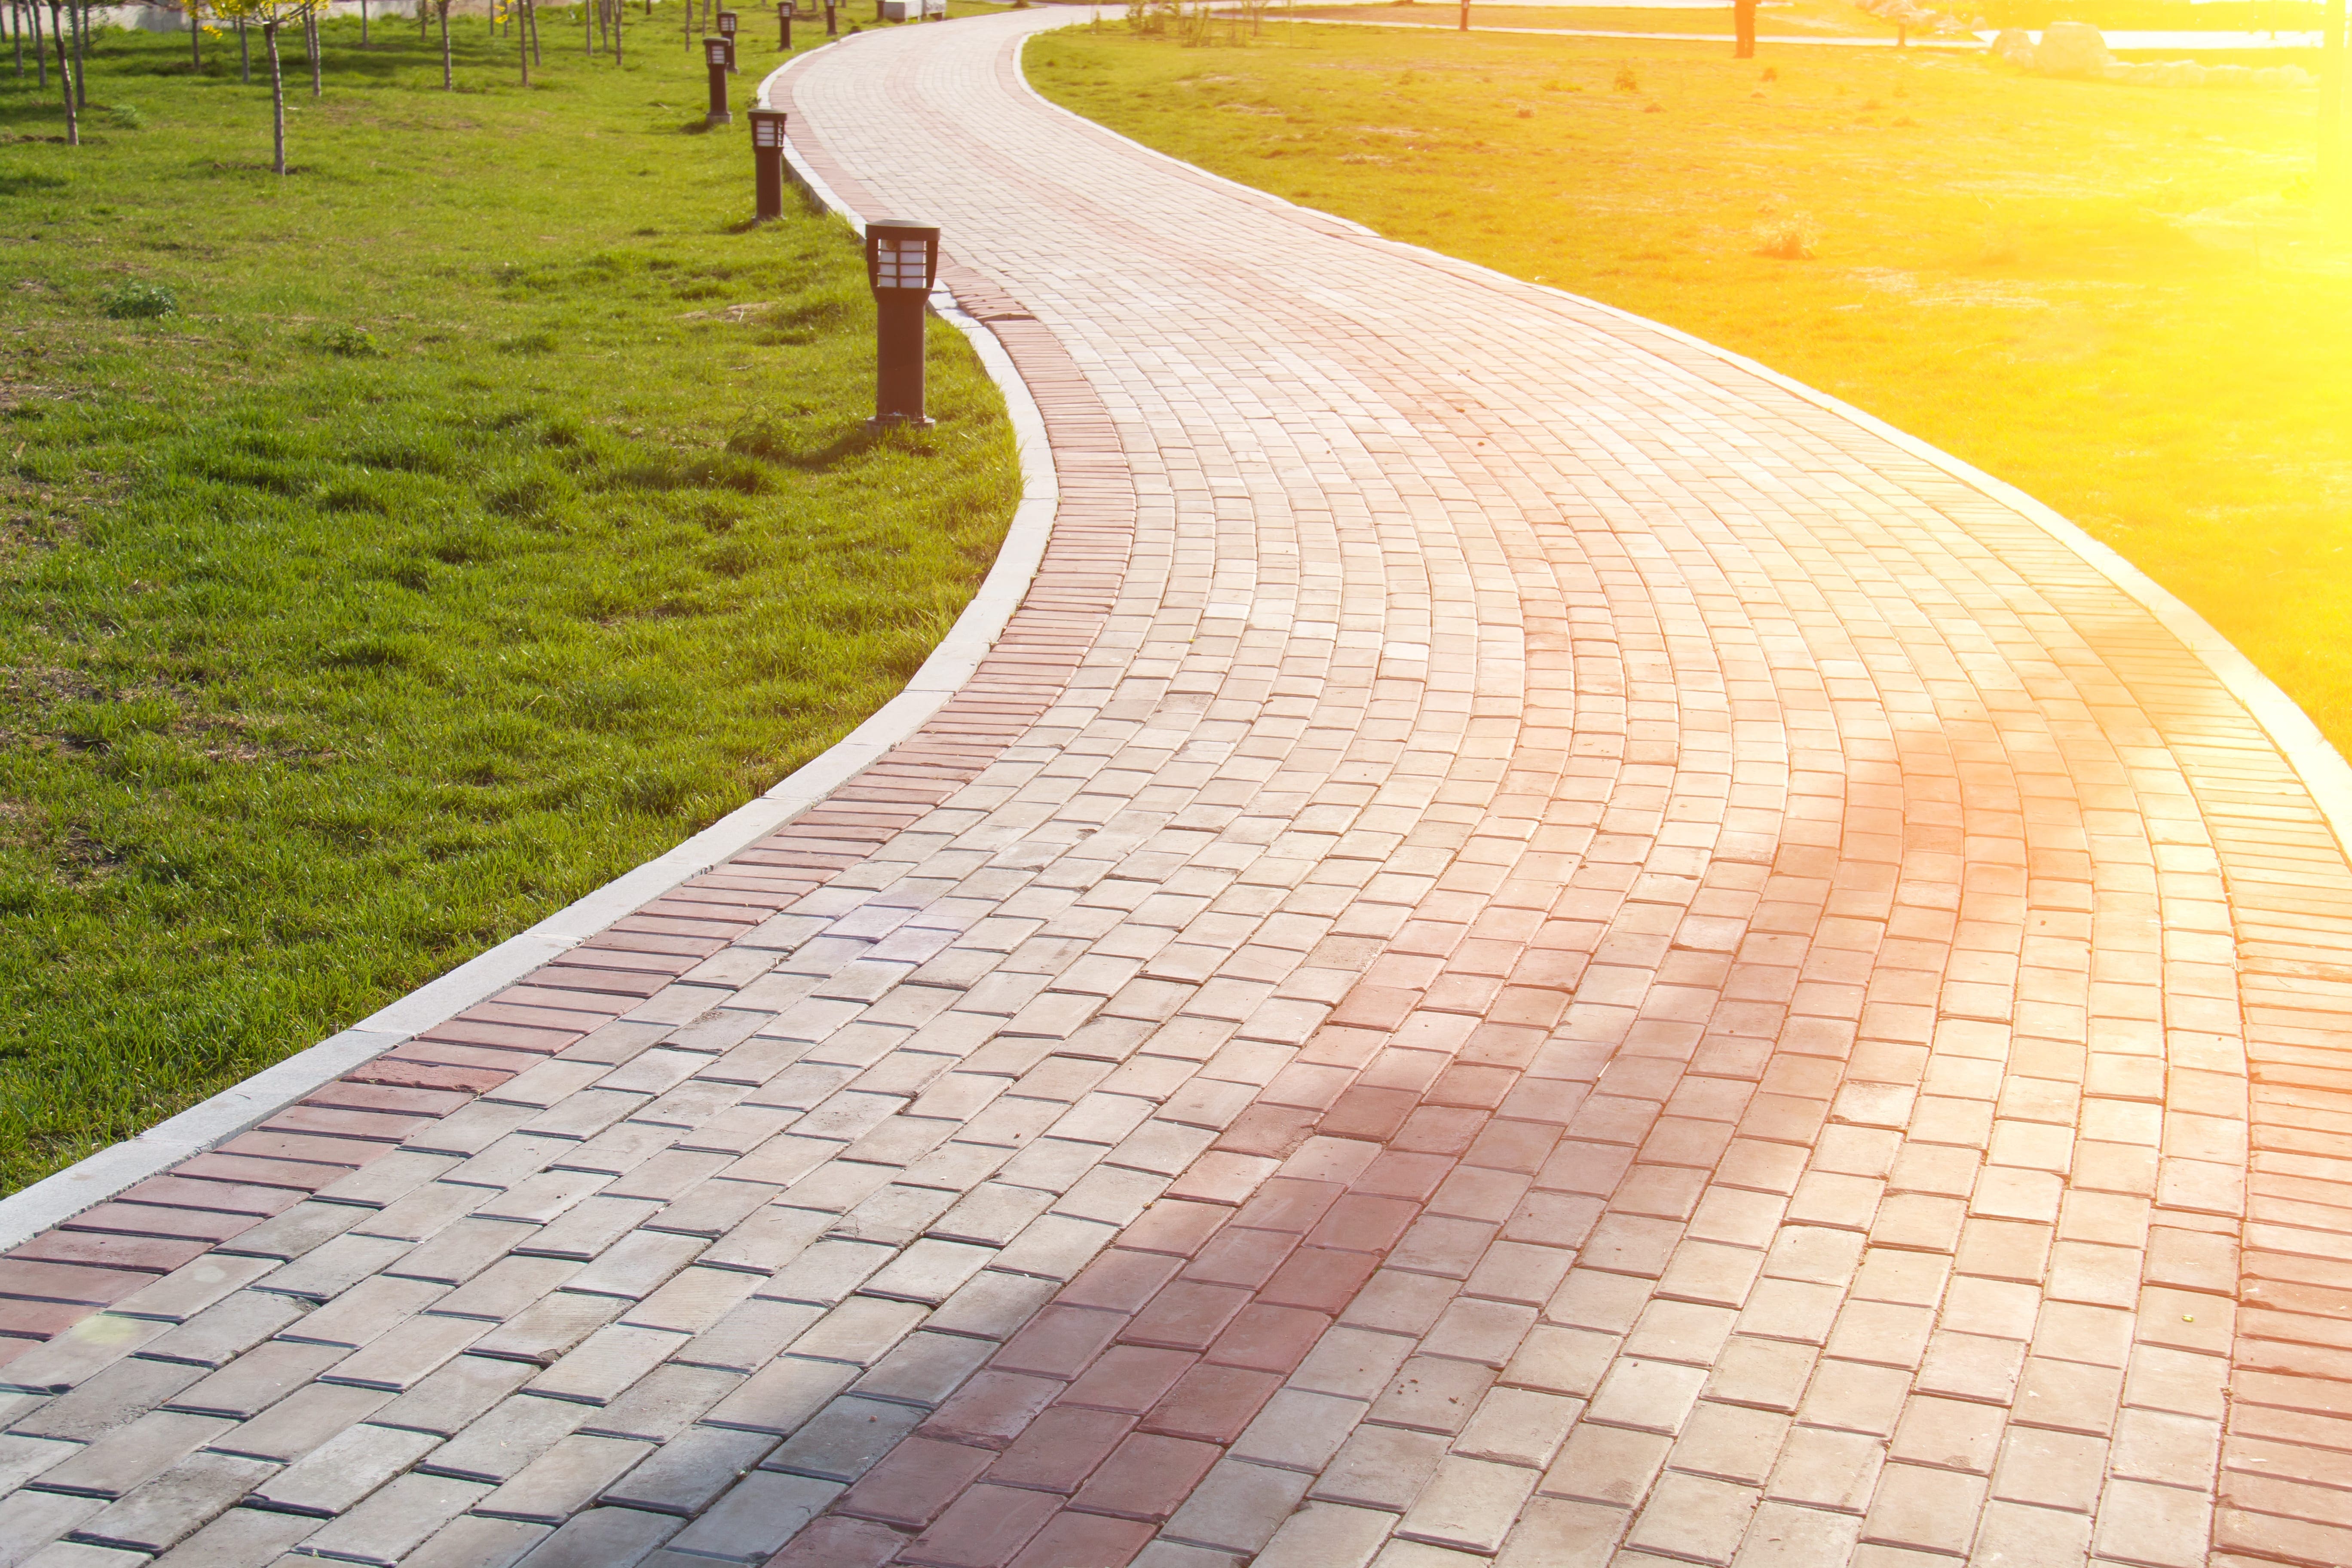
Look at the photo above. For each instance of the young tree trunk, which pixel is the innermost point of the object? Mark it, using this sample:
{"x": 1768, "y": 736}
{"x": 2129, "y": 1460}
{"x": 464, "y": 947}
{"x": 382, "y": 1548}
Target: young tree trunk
{"x": 40, "y": 48}
{"x": 276, "y": 100}
{"x": 310, "y": 41}
{"x": 531, "y": 20}
{"x": 16, "y": 31}
{"x": 196, "y": 39}
{"x": 620, "y": 14}
{"x": 363, "y": 21}
{"x": 523, "y": 49}
{"x": 81, "y": 42}
{"x": 57, "y": 26}
{"x": 244, "y": 54}
{"x": 1743, "y": 27}
{"x": 448, "y": 84}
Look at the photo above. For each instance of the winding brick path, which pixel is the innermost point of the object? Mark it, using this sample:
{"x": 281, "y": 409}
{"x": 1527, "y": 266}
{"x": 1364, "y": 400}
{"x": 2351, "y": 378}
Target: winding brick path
{"x": 1533, "y": 947}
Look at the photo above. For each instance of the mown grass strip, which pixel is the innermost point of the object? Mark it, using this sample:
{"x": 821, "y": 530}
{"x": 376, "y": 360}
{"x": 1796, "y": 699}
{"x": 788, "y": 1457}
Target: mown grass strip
{"x": 487, "y": 509}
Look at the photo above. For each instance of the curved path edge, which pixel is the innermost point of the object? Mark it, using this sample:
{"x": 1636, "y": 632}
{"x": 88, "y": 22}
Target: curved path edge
{"x": 2322, "y": 769}
{"x": 27, "y": 1213}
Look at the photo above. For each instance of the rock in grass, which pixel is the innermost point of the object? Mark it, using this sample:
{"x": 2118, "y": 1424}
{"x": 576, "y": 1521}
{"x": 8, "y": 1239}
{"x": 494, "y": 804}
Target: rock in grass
{"x": 2071, "y": 49}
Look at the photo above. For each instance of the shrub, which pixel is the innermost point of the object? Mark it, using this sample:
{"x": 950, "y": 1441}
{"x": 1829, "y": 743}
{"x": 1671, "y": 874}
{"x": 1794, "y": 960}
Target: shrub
{"x": 1626, "y": 80}
{"x": 349, "y": 343}
{"x": 1789, "y": 236}
{"x": 140, "y": 301}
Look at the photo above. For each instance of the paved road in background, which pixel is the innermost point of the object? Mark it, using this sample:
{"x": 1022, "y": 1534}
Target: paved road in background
{"x": 1534, "y": 947}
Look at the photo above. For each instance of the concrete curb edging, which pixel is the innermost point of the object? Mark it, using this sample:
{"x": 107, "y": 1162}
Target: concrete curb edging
{"x": 2322, "y": 769}
{"x": 237, "y": 1108}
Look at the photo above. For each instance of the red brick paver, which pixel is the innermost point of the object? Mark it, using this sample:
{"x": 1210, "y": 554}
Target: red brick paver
{"x": 1534, "y": 948}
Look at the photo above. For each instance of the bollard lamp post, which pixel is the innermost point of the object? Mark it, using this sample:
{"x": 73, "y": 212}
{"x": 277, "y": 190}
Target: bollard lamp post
{"x": 714, "y": 55}
{"x": 832, "y": 22}
{"x": 784, "y": 25}
{"x": 768, "y": 163}
{"x": 902, "y": 257}
{"x": 728, "y": 22}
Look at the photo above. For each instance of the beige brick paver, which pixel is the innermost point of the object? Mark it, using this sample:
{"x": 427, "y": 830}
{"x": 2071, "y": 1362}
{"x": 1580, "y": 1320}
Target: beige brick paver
{"x": 1534, "y": 948}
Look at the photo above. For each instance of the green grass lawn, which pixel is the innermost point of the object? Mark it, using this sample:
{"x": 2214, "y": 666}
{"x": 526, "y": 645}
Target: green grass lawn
{"x": 2116, "y": 297}
{"x": 1827, "y": 17}
{"x": 493, "y": 511}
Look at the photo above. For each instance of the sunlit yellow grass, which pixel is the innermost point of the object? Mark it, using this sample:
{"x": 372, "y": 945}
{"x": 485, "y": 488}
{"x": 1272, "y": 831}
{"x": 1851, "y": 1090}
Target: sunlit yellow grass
{"x": 2113, "y": 297}
{"x": 1806, "y": 17}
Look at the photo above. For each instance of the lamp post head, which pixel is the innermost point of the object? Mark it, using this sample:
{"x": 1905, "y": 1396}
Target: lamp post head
{"x": 714, "y": 50}
{"x": 768, "y": 128}
{"x": 901, "y": 255}
{"x": 728, "y": 22}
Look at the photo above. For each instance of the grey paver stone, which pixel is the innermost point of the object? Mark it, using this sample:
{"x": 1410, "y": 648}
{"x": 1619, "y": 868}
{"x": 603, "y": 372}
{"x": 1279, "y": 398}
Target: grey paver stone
{"x": 333, "y": 1268}
{"x": 1299, "y": 1430}
{"x": 1237, "y": 1507}
{"x": 220, "y": 1334}
{"x": 461, "y": 1393}
{"x": 602, "y": 1538}
{"x": 241, "y": 1538}
{"x": 1518, "y": 1426}
{"x": 407, "y": 1354}
{"x": 506, "y": 1289}
{"x": 1381, "y": 1466}
{"x": 1468, "y": 1505}
{"x": 1327, "y": 1535}
{"x": 297, "y": 1231}
{"x": 861, "y": 1329}
{"x": 606, "y": 1362}
{"x": 470, "y": 1541}
{"x": 636, "y": 1264}
{"x": 336, "y": 1474}
{"x": 693, "y": 1299}
{"x": 30, "y": 1520}
{"x": 663, "y": 1403}
{"x": 1353, "y": 1363}
{"x": 258, "y": 1379}
{"x": 992, "y": 1305}
{"x": 72, "y": 1357}
{"x": 1821, "y": 1467}
{"x": 783, "y": 1395}
{"x": 565, "y": 1480}
{"x": 825, "y": 1273}
{"x": 841, "y": 1442}
{"x": 163, "y": 1511}
{"x": 683, "y": 1475}
{"x": 549, "y": 1327}
{"x": 1693, "y": 1518}
{"x": 360, "y": 1313}
{"x": 125, "y": 1458}
{"x": 498, "y": 1444}
{"x": 1612, "y": 1465}
{"x": 1781, "y": 1535}
{"x": 78, "y": 1555}
{"x": 756, "y": 1517}
{"x": 24, "y": 1458}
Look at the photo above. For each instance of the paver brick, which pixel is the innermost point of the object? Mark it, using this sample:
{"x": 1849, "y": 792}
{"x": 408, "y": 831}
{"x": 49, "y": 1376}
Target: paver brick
{"x": 1833, "y": 894}
{"x": 163, "y": 1511}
